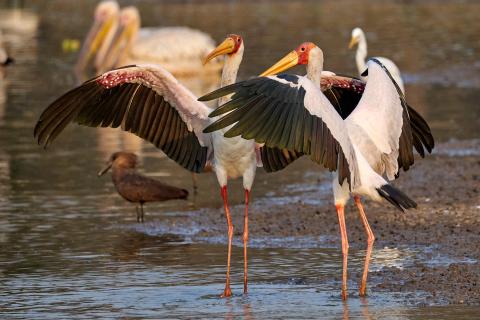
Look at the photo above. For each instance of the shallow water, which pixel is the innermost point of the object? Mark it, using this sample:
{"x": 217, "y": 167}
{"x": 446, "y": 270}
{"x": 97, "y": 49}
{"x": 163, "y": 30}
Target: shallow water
{"x": 69, "y": 246}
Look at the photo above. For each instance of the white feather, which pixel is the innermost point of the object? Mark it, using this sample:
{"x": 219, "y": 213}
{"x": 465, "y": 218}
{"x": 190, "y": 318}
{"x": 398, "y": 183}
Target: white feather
{"x": 317, "y": 104}
{"x": 376, "y": 123}
{"x": 180, "y": 50}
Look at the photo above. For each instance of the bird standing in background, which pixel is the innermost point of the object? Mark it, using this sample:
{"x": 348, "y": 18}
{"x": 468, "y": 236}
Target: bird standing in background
{"x": 359, "y": 39}
{"x": 137, "y": 188}
{"x": 288, "y": 111}
{"x": 117, "y": 39}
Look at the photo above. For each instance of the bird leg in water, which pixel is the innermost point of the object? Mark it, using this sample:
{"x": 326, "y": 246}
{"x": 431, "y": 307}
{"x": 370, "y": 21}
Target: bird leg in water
{"x": 138, "y": 213}
{"x": 343, "y": 232}
{"x": 370, "y": 240}
{"x": 245, "y": 240}
{"x": 141, "y": 212}
{"x": 227, "y": 292}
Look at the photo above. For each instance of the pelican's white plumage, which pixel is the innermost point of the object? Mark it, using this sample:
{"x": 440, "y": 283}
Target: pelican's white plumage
{"x": 359, "y": 38}
{"x": 178, "y": 49}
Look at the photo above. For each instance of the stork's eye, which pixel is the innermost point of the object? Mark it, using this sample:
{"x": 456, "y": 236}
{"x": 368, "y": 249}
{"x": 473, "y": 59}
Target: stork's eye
{"x": 302, "y": 49}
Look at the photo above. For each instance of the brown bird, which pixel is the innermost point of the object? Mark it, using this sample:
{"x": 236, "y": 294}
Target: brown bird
{"x": 135, "y": 187}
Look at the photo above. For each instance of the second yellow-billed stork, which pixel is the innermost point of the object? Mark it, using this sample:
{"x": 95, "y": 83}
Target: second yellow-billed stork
{"x": 369, "y": 132}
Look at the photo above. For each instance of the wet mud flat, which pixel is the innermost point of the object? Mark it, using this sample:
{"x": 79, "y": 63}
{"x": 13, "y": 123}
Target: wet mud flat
{"x": 444, "y": 229}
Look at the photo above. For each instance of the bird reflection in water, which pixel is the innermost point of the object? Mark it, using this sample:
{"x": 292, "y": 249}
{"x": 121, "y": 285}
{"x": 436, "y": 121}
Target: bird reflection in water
{"x": 246, "y": 310}
{"x": 131, "y": 244}
{"x": 365, "y": 313}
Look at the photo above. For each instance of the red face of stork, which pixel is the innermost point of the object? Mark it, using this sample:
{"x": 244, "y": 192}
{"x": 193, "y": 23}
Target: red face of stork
{"x": 303, "y": 52}
{"x": 229, "y": 46}
{"x": 301, "y": 55}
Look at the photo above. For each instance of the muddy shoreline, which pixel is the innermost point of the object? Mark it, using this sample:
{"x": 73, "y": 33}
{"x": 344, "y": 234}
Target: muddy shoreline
{"x": 446, "y": 187}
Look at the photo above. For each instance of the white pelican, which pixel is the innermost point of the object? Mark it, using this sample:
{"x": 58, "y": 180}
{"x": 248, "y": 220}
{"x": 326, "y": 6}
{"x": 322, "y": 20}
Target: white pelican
{"x": 376, "y": 138}
{"x": 117, "y": 39}
{"x": 149, "y": 102}
{"x": 358, "y": 38}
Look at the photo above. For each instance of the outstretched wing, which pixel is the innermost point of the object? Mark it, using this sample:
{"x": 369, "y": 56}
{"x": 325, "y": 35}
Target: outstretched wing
{"x": 276, "y": 159}
{"x": 383, "y": 116}
{"x": 144, "y": 100}
{"x": 345, "y": 92}
{"x": 288, "y": 112}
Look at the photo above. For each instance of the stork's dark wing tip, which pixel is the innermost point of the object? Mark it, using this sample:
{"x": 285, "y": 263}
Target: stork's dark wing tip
{"x": 211, "y": 95}
{"x": 204, "y": 98}
{"x": 220, "y": 92}
{"x": 364, "y": 73}
{"x": 211, "y": 128}
{"x": 215, "y": 113}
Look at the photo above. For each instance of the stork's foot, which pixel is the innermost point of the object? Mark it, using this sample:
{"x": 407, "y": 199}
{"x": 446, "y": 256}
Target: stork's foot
{"x": 227, "y": 292}
{"x": 363, "y": 291}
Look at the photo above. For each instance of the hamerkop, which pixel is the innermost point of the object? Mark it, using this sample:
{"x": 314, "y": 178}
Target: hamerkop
{"x": 134, "y": 187}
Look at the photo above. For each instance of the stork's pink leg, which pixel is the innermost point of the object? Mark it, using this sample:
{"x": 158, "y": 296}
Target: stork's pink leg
{"x": 245, "y": 240}
{"x": 343, "y": 232}
{"x": 227, "y": 292}
{"x": 370, "y": 240}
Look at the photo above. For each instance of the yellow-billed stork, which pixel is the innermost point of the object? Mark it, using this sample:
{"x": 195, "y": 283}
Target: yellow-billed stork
{"x": 359, "y": 131}
{"x": 149, "y": 102}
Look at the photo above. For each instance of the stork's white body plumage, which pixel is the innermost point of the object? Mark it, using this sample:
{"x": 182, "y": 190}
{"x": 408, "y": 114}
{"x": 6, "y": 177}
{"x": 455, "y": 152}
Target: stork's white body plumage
{"x": 361, "y": 58}
{"x": 378, "y": 140}
{"x": 362, "y": 140}
{"x": 233, "y": 157}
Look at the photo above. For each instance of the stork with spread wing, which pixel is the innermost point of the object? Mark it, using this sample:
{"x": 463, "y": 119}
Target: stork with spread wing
{"x": 149, "y": 102}
{"x": 371, "y": 131}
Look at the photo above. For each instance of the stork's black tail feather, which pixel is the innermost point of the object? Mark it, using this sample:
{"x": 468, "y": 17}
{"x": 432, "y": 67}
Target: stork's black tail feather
{"x": 396, "y": 197}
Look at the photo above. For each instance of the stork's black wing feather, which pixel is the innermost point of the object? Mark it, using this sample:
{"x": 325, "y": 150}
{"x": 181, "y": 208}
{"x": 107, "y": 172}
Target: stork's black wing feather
{"x": 272, "y": 112}
{"x": 136, "y": 107}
